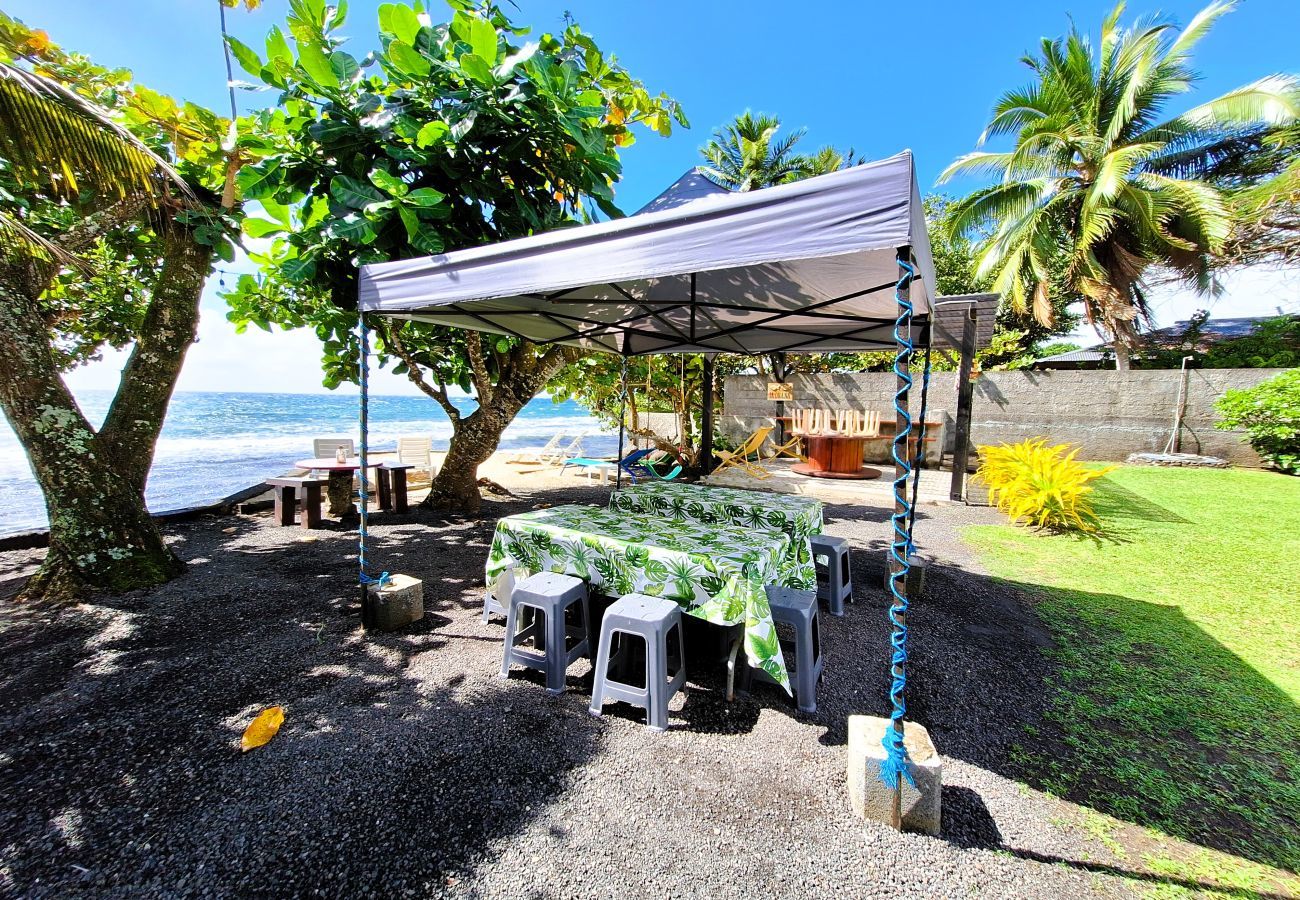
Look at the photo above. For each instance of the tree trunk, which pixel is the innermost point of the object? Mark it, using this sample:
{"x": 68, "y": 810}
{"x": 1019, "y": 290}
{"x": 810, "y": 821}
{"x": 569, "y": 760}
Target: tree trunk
{"x": 475, "y": 437}
{"x": 102, "y": 538}
{"x": 1123, "y": 358}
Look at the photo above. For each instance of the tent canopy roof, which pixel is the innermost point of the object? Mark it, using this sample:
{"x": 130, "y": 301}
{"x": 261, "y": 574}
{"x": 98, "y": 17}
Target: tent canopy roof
{"x": 809, "y": 266}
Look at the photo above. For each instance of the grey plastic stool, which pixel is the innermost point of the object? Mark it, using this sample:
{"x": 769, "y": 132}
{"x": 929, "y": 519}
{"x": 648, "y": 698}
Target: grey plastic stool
{"x": 834, "y": 580}
{"x": 791, "y": 606}
{"x": 550, "y": 594}
{"x": 649, "y": 618}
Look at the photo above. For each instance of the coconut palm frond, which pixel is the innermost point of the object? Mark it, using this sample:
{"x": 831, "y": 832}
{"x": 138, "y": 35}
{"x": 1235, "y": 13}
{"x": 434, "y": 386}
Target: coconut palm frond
{"x": 17, "y": 237}
{"x": 52, "y": 136}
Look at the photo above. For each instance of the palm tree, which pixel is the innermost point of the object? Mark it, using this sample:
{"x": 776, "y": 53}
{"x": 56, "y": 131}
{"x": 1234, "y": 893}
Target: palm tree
{"x": 1099, "y": 180}
{"x": 746, "y": 155}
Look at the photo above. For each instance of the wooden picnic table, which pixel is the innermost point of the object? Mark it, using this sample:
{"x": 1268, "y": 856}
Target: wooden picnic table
{"x": 339, "y": 491}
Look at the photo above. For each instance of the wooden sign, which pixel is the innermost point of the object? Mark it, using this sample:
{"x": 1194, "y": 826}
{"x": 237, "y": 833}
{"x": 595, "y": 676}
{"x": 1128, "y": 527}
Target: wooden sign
{"x": 780, "y": 391}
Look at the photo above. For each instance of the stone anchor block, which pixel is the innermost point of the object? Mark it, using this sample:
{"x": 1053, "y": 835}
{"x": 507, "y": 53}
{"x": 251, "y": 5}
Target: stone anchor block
{"x": 871, "y": 798}
{"x": 399, "y": 602}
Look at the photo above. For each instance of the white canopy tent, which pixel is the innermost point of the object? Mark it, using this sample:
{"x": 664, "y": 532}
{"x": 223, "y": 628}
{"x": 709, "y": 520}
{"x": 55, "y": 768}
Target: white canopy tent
{"x": 809, "y": 266}
{"x": 840, "y": 262}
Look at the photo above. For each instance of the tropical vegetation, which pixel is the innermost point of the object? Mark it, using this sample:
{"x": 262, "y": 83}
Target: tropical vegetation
{"x": 114, "y": 202}
{"x": 1039, "y": 484}
{"x": 453, "y": 134}
{"x": 746, "y": 154}
{"x": 1101, "y": 185}
{"x": 1269, "y": 413}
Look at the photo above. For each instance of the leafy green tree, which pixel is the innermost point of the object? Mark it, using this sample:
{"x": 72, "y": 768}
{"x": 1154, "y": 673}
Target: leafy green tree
{"x": 1096, "y": 176}
{"x": 109, "y": 222}
{"x": 450, "y": 135}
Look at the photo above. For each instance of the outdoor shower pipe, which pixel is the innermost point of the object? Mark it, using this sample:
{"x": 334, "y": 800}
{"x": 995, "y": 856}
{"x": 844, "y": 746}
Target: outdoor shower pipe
{"x": 1171, "y": 445}
{"x": 895, "y": 766}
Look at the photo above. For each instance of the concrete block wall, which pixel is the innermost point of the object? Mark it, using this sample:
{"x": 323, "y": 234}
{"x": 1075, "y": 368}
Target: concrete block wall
{"x": 1108, "y": 414}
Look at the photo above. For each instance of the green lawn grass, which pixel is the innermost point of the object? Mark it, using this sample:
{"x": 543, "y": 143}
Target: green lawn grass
{"x": 1176, "y": 703}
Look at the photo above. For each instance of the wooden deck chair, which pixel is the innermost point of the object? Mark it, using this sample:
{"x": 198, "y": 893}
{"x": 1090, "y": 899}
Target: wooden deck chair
{"x": 739, "y": 459}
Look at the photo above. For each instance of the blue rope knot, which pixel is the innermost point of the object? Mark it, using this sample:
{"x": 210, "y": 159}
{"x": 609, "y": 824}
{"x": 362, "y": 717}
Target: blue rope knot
{"x": 896, "y": 767}
{"x": 379, "y": 582}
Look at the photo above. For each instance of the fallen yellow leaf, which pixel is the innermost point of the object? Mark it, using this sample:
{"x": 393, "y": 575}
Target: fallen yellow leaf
{"x": 262, "y": 728}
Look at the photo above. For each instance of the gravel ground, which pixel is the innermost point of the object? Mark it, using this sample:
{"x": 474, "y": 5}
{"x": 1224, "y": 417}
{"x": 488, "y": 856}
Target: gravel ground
{"x": 407, "y": 768}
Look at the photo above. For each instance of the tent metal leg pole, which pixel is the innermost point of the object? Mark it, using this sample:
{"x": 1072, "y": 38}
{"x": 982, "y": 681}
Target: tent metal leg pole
{"x": 622, "y": 421}
{"x": 706, "y": 417}
{"x": 965, "y": 399}
{"x": 363, "y": 417}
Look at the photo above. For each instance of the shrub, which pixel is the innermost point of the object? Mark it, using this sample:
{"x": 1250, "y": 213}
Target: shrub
{"x": 1270, "y": 414}
{"x": 1040, "y": 485}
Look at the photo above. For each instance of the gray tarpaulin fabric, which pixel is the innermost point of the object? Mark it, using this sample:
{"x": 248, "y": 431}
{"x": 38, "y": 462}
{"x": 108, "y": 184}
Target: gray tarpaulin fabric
{"x": 809, "y": 266}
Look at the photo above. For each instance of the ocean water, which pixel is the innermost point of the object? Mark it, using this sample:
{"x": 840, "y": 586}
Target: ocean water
{"x": 214, "y": 444}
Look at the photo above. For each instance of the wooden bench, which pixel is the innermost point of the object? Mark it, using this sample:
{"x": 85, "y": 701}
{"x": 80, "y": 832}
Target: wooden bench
{"x": 392, "y": 486}
{"x": 287, "y": 490}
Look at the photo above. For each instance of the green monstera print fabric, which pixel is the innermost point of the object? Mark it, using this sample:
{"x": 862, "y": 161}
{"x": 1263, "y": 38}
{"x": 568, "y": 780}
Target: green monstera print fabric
{"x": 718, "y": 573}
{"x": 799, "y": 518}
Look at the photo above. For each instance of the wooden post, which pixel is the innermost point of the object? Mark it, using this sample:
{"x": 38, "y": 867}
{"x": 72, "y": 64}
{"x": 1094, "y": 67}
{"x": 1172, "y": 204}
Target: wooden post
{"x": 965, "y": 400}
{"x": 706, "y": 417}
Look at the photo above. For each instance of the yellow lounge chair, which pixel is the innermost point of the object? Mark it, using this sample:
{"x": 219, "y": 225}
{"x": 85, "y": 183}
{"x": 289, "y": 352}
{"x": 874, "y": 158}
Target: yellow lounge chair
{"x": 740, "y": 457}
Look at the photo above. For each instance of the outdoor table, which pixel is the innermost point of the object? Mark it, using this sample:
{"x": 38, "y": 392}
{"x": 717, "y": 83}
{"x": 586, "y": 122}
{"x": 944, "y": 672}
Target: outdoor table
{"x": 799, "y": 518}
{"x": 340, "y": 482}
{"x": 718, "y": 573}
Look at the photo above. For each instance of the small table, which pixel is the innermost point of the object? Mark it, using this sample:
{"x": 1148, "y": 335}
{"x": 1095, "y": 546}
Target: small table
{"x": 714, "y": 572}
{"x": 340, "y": 482}
{"x": 799, "y": 518}
{"x": 834, "y": 456}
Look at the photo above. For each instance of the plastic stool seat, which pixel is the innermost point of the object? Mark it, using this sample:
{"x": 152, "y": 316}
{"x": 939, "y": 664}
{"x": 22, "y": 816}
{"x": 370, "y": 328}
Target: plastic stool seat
{"x": 798, "y": 609}
{"x": 550, "y": 594}
{"x": 651, "y": 619}
{"x": 834, "y": 579}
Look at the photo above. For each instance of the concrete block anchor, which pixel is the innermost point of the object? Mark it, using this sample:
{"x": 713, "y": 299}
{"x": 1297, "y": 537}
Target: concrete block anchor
{"x": 871, "y": 798}
{"x": 399, "y": 602}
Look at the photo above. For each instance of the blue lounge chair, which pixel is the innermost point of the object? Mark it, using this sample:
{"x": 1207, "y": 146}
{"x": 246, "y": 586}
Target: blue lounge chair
{"x": 631, "y": 464}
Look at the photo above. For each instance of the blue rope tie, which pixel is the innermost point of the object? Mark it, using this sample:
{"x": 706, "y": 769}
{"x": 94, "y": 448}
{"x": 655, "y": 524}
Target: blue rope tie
{"x": 896, "y": 766}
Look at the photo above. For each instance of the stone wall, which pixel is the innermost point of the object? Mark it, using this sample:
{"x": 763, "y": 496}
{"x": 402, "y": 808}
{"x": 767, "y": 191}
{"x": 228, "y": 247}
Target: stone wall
{"x": 1109, "y": 414}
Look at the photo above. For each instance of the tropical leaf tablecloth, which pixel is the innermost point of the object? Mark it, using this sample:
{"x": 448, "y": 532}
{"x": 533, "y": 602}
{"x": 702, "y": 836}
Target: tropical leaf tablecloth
{"x": 717, "y": 573}
{"x": 799, "y": 518}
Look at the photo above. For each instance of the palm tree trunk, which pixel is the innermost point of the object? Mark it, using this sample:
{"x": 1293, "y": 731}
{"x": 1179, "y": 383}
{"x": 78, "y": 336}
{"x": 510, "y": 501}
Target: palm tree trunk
{"x": 1123, "y": 358}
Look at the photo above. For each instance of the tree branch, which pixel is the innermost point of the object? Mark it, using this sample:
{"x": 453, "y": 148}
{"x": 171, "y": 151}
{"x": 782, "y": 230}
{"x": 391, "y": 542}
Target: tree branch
{"x": 414, "y": 375}
{"x": 478, "y": 368}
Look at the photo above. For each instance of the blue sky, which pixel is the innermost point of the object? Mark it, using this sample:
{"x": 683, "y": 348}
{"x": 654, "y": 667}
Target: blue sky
{"x": 875, "y": 76}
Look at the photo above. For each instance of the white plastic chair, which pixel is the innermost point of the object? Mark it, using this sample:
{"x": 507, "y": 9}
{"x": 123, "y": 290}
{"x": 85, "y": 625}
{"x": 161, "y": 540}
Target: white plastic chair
{"x": 418, "y": 451}
{"x": 558, "y": 455}
{"x": 324, "y": 448}
{"x": 535, "y": 454}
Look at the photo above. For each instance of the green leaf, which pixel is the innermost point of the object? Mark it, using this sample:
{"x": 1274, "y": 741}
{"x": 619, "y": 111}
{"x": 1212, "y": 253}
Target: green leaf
{"x": 515, "y": 60}
{"x": 388, "y": 183}
{"x": 428, "y": 241}
{"x": 261, "y": 227}
{"x": 478, "y": 33}
{"x": 476, "y": 68}
{"x": 354, "y": 228}
{"x": 412, "y": 223}
{"x": 425, "y": 197}
{"x": 259, "y": 180}
{"x": 277, "y": 47}
{"x": 407, "y": 60}
{"x": 345, "y": 67}
{"x": 353, "y": 193}
{"x": 312, "y": 59}
{"x": 431, "y": 132}
{"x": 300, "y": 268}
{"x": 400, "y": 21}
{"x": 249, "y": 61}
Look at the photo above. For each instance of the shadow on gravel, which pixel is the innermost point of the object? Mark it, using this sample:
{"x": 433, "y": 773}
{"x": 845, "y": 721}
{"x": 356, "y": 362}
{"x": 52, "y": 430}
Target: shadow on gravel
{"x": 399, "y": 763}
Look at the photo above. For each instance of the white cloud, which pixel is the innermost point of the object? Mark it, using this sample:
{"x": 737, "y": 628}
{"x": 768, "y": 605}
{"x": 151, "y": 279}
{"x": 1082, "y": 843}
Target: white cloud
{"x": 1257, "y": 291}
